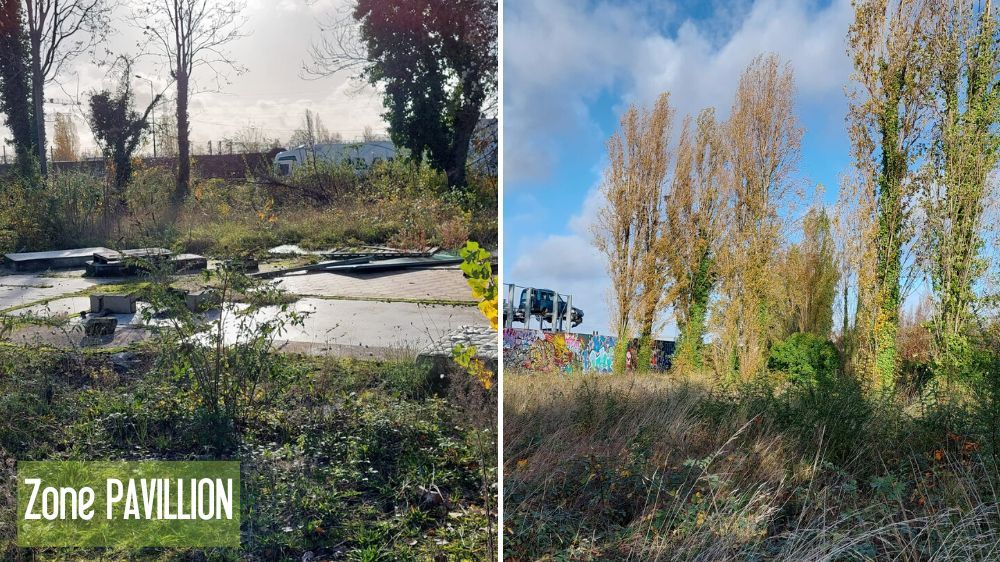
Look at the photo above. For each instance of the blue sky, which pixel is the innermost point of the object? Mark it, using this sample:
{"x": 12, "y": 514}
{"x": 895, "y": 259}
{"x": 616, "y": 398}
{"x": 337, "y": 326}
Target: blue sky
{"x": 572, "y": 67}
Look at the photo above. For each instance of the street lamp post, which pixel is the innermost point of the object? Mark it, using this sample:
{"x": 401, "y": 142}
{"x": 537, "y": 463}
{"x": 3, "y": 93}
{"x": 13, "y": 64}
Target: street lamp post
{"x": 152, "y": 97}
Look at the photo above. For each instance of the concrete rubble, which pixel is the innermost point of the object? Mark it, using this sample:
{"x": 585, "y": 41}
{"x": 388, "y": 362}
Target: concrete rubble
{"x": 483, "y": 338}
{"x": 104, "y": 262}
{"x": 363, "y": 259}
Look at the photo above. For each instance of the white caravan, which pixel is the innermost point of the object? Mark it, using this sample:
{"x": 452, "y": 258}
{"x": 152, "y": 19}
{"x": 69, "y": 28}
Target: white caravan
{"x": 359, "y": 155}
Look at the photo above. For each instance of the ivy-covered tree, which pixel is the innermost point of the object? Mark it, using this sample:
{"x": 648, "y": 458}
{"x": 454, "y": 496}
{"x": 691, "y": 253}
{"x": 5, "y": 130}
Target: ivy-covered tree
{"x": 118, "y": 128}
{"x": 965, "y": 150}
{"x": 692, "y": 229}
{"x": 888, "y": 44}
{"x": 437, "y": 63}
{"x": 15, "y": 84}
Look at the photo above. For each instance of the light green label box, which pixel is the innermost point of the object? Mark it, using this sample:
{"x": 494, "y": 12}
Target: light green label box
{"x": 128, "y": 504}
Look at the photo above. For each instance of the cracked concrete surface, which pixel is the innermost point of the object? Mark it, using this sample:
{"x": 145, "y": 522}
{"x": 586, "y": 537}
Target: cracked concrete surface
{"x": 336, "y": 321}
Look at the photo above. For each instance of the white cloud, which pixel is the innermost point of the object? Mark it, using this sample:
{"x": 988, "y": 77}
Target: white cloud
{"x": 558, "y": 58}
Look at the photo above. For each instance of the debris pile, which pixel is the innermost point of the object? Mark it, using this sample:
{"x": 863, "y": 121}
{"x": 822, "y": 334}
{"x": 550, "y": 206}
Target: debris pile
{"x": 362, "y": 259}
{"x": 104, "y": 262}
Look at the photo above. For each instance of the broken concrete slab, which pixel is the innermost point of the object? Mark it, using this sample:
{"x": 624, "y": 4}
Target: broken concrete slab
{"x": 98, "y": 326}
{"x": 135, "y": 264}
{"x": 189, "y": 263}
{"x": 57, "y": 259}
{"x": 200, "y": 301}
{"x": 366, "y": 264}
{"x": 321, "y": 266}
{"x": 344, "y": 252}
{"x": 394, "y": 264}
{"x": 152, "y": 254}
{"x": 113, "y": 304}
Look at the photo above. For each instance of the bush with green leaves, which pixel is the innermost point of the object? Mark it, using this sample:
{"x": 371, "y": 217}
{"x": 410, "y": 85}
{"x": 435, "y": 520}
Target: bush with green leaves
{"x": 805, "y": 358}
{"x": 226, "y": 357}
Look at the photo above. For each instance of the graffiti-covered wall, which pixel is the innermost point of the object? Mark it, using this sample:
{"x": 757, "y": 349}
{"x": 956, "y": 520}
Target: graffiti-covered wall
{"x": 548, "y": 351}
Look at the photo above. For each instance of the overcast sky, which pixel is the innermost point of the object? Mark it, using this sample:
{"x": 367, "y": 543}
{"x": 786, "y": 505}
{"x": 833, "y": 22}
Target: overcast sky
{"x": 571, "y": 67}
{"x": 271, "y": 94}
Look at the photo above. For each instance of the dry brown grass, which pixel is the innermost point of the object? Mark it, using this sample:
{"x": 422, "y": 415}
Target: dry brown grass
{"x": 674, "y": 468}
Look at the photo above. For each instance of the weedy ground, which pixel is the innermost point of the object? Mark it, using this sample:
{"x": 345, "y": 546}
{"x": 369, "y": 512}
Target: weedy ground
{"x": 677, "y": 467}
{"x": 395, "y": 203}
{"x": 341, "y": 459}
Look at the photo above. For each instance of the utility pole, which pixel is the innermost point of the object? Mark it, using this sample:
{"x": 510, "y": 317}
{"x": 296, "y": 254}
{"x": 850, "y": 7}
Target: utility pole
{"x": 152, "y": 97}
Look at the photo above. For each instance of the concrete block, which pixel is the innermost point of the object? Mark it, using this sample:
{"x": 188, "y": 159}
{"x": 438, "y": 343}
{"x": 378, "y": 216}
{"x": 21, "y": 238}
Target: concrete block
{"x": 189, "y": 263}
{"x": 113, "y": 304}
{"x": 97, "y": 326}
{"x": 242, "y": 265}
{"x": 200, "y": 301}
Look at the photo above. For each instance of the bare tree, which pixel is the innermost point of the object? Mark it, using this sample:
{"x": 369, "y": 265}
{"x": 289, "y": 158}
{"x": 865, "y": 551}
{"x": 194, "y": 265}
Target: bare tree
{"x": 627, "y": 228}
{"x": 189, "y": 35}
{"x": 252, "y": 139}
{"x": 59, "y": 32}
{"x": 369, "y": 135}
{"x": 888, "y": 42}
{"x": 311, "y": 133}
{"x": 764, "y": 139}
{"x": 695, "y": 210}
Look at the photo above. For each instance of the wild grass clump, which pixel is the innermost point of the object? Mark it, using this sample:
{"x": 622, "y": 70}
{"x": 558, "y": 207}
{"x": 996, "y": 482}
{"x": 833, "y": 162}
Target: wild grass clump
{"x": 676, "y": 467}
{"x": 398, "y": 203}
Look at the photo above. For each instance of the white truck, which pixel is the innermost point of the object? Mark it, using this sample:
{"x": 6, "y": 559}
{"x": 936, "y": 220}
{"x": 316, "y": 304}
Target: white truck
{"x": 359, "y": 155}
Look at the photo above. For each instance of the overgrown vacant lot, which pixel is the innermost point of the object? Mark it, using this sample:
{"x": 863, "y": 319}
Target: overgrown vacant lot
{"x": 396, "y": 203}
{"x": 342, "y": 459}
{"x": 675, "y": 467}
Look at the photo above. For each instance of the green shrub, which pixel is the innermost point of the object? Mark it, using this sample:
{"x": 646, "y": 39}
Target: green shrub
{"x": 806, "y": 359}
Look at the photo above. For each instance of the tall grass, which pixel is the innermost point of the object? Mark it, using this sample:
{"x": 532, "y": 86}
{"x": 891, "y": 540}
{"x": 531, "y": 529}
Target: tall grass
{"x": 677, "y": 468}
{"x": 397, "y": 203}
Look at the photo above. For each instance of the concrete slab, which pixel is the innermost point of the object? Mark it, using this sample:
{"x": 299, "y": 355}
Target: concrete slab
{"x": 21, "y": 289}
{"x": 34, "y": 261}
{"x": 340, "y": 323}
{"x": 108, "y": 256}
{"x": 445, "y": 283}
{"x": 362, "y": 328}
{"x": 70, "y": 306}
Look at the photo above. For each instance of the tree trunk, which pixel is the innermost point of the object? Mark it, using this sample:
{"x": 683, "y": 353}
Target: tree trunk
{"x": 183, "y": 139}
{"x": 37, "y": 99}
{"x": 465, "y": 126}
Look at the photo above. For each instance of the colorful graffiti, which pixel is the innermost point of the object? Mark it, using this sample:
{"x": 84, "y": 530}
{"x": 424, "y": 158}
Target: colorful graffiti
{"x": 566, "y": 352}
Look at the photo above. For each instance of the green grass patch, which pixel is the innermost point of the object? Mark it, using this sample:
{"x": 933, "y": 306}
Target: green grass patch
{"x": 343, "y": 458}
